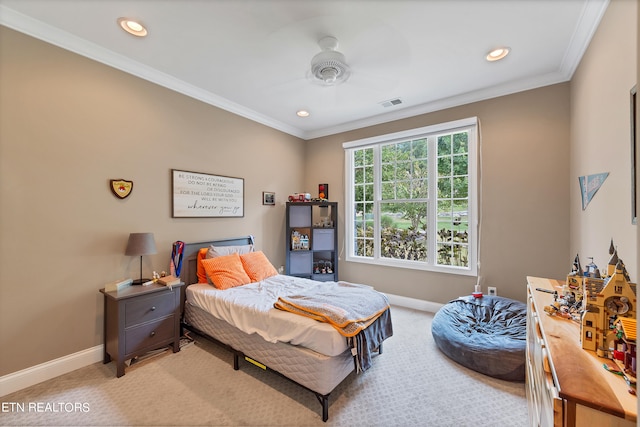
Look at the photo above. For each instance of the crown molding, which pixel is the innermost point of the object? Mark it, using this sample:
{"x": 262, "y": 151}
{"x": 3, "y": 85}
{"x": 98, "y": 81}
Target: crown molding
{"x": 588, "y": 23}
{"x": 590, "y": 18}
{"x": 47, "y": 33}
{"x": 507, "y": 88}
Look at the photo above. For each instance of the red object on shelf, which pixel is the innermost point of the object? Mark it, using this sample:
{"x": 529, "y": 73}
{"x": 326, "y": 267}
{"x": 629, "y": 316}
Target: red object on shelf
{"x": 300, "y": 197}
{"x": 323, "y": 191}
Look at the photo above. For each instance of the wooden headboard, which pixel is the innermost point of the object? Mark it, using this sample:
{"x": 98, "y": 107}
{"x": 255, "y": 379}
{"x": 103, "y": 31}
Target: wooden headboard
{"x": 189, "y": 272}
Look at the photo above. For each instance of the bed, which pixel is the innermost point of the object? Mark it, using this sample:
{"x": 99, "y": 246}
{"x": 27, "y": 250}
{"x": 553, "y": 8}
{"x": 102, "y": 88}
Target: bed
{"x": 310, "y": 353}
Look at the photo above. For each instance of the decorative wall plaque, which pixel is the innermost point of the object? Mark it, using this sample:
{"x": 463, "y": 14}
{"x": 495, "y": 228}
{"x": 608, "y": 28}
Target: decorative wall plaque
{"x": 121, "y": 188}
{"x": 198, "y": 194}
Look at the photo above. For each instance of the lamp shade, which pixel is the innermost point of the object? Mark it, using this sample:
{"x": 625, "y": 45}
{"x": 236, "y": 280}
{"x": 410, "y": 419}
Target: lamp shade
{"x": 141, "y": 244}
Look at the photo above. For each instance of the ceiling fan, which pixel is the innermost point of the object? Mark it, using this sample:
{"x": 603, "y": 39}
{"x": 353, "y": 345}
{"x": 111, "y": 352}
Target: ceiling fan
{"x": 329, "y": 80}
{"x": 329, "y": 67}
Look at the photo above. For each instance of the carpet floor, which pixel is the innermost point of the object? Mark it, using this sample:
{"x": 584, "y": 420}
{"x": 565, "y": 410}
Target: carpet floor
{"x": 411, "y": 384}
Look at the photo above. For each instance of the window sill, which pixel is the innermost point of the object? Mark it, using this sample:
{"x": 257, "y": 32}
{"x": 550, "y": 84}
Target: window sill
{"x": 411, "y": 265}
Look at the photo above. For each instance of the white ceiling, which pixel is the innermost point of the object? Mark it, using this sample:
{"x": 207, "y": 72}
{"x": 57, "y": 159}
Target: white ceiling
{"x": 251, "y": 57}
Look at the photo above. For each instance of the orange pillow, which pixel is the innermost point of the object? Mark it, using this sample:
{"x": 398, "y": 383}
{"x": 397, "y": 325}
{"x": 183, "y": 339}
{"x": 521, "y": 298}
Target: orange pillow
{"x": 226, "y": 271}
{"x": 257, "y": 266}
{"x": 202, "y": 275}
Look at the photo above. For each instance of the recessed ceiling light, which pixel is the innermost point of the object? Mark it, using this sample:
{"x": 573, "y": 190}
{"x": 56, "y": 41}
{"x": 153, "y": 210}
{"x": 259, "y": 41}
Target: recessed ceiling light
{"x": 497, "y": 54}
{"x": 132, "y": 26}
{"x": 302, "y": 113}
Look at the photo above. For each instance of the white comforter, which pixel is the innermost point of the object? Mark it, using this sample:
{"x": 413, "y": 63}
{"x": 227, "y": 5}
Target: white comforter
{"x": 250, "y": 309}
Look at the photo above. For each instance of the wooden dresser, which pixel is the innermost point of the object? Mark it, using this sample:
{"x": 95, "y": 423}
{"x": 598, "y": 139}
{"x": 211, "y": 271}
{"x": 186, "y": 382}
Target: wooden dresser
{"x": 566, "y": 385}
{"x": 139, "y": 319}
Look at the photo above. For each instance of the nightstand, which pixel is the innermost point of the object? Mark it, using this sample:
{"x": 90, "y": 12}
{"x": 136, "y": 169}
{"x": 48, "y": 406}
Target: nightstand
{"x": 139, "y": 319}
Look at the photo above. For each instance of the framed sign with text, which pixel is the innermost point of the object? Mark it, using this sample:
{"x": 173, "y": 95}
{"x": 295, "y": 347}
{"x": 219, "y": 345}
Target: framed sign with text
{"x": 202, "y": 195}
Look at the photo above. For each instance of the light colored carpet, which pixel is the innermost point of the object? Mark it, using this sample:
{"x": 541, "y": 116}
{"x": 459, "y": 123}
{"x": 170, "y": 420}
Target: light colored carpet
{"x": 410, "y": 384}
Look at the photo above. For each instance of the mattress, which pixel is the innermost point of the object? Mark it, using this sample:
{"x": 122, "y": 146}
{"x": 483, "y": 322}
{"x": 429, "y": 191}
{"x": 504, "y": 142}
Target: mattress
{"x": 318, "y": 372}
{"x": 250, "y": 309}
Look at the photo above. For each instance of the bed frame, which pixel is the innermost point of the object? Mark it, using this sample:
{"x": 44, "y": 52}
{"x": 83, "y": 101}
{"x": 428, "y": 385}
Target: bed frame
{"x": 322, "y": 373}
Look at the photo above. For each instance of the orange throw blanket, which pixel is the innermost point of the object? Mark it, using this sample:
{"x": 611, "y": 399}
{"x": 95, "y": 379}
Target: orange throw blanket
{"x": 347, "y": 307}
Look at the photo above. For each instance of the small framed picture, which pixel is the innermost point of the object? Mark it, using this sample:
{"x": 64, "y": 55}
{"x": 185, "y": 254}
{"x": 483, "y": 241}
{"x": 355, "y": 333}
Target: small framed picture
{"x": 268, "y": 198}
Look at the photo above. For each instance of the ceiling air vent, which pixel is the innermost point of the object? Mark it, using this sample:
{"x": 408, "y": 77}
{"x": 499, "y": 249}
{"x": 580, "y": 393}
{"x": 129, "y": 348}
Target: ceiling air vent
{"x": 391, "y": 102}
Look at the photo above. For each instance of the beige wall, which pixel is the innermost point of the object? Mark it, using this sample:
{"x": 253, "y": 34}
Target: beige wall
{"x": 535, "y": 145}
{"x": 525, "y": 193}
{"x": 67, "y": 126}
{"x": 600, "y": 139}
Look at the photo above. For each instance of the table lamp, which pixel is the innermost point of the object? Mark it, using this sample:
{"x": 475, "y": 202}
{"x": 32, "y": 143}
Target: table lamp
{"x": 140, "y": 244}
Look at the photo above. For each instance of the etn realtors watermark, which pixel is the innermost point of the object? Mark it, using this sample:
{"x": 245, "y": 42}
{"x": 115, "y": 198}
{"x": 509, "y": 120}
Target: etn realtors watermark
{"x": 40, "y": 407}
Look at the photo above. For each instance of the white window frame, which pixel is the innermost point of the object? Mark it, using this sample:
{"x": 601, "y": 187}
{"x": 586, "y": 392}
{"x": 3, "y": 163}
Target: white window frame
{"x": 471, "y": 126}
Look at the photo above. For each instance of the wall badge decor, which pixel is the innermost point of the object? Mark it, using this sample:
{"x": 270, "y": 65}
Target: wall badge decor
{"x": 121, "y": 188}
{"x": 589, "y": 186}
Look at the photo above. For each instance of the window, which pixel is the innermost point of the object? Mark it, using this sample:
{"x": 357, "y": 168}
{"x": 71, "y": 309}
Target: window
{"x": 412, "y": 199}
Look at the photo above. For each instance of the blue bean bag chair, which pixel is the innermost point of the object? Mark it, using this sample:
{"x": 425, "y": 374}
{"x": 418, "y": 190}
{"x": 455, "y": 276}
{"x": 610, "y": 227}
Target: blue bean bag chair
{"x": 485, "y": 334}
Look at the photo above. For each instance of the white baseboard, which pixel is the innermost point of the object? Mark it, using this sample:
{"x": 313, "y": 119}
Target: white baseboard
{"x": 416, "y": 304}
{"x": 45, "y": 371}
{"x": 36, "y": 374}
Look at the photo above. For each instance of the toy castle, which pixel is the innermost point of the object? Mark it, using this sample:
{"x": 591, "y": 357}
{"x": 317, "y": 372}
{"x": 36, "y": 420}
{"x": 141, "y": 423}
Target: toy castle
{"x": 608, "y": 303}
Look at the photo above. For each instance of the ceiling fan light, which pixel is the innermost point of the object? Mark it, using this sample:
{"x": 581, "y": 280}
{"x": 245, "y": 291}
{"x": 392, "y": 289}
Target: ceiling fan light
{"x": 329, "y": 75}
{"x": 330, "y": 67}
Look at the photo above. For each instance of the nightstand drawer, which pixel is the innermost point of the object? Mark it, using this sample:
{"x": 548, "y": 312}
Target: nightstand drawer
{"x": 149, "y": 334}
{"x": 148, "y": 308}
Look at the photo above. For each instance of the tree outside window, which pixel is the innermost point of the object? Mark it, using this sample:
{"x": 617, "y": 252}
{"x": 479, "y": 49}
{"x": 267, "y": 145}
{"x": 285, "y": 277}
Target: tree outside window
{"x": 411, "y": 200}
